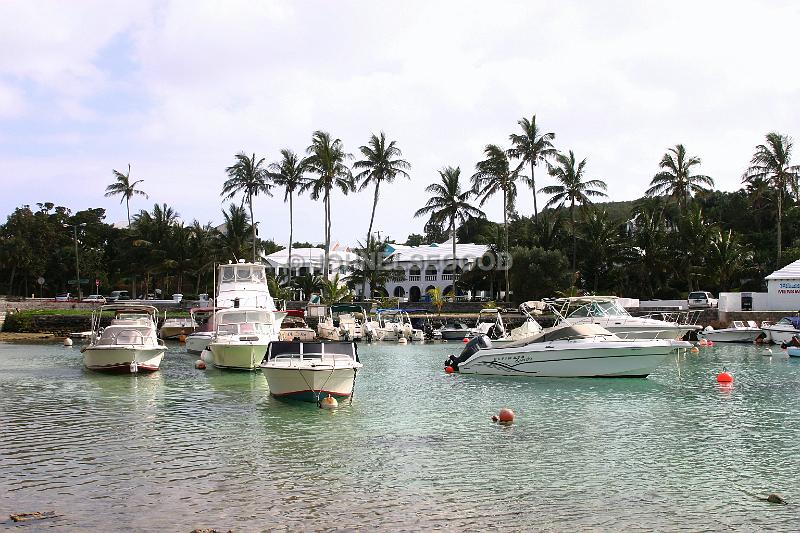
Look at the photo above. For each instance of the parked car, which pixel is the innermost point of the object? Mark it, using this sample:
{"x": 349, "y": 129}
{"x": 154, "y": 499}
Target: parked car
{"x": 63, "y": 297}
{"x": 95, "y": 298}
{"x": 701, "y": 299}
{"x": 116, "y": 296}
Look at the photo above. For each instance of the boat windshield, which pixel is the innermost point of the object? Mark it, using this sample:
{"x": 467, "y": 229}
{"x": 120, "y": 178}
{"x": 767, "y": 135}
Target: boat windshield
{"x": 246, "y": 327}
{"x": 610, "y": 308}
{"x": 241, "y": 317}
{"x": 232, "y": 273}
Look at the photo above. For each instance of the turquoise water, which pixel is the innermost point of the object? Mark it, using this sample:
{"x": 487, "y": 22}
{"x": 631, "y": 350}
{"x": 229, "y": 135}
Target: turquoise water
{"x": 184, "y": 448}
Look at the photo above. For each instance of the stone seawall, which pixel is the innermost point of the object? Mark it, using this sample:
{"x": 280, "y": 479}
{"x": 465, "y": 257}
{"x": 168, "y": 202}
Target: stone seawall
{"x": 55, "y": 324}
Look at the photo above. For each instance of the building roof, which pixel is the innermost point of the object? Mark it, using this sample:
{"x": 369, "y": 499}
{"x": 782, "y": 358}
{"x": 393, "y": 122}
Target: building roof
{"x": 434, "y": 252}
{"x": 790, "y": 271}
{"x": 310, "y": 257}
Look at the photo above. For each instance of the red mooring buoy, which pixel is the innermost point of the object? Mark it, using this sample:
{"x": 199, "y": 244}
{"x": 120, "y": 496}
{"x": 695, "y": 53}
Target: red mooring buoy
{"x": 449, "y": 369}
{"x": 506, "y": 416}
{"x": 725, "y": 377}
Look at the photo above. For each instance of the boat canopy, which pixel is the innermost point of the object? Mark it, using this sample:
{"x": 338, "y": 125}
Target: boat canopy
{"x": 597, "y": 307}
{"x": 575, "y": 331}
{"x": 242, "y": 272}
{"x": 241, "y": 316}
{"x": 311, "y": 349}
{"x": 793, "y": 320}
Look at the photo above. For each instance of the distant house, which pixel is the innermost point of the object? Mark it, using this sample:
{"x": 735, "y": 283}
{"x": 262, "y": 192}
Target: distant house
{"x": 429, "y": 266}
{"x": 309, "y": 261}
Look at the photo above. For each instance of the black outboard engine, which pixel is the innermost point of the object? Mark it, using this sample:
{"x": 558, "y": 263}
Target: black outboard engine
{"x": 478, "y": 343}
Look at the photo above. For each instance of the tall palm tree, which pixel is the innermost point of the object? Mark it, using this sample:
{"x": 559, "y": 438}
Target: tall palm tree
{"x": 448, "y": 203}
{"x": 369, "y": 268}
{"x": 726, "y": 257}
{"x": 531, "y": 147}
{"x": 232, "y": 240}
{"x": 677, "y": 180}
{"x": 571, "y": 188}
{"x": 333, "y": 290}
{"x": 288, "y": 173}
{"x": 125, "y": 188}
{"x": 494, "y": 175}
{"x": 326, "y": 158}
{"x": 772, "y": 162}
{"x": 381, "y": 164}
{"x": 248, "y": 177}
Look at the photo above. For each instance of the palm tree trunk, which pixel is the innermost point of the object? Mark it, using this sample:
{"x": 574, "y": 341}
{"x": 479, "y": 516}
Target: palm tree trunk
{"x": 369, "y": 235}
{"x": 128, "y": 205}
{"x": 574, "y": 235}
{"x": 533, "y": 184}
{"x": 253, "y": 224}
{"x": 291, "y": 230}
{"x": 327, "y": 204}
{"x": 453, "y": 229}
{"x": 505, "y": 228}
{"x": 780, "y": 208}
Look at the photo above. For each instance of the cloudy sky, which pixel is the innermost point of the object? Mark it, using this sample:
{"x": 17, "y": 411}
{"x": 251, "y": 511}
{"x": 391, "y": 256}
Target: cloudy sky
{"x": 177, "y": 88}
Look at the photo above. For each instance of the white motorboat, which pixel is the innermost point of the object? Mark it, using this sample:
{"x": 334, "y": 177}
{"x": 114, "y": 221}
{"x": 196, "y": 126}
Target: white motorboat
{"x": 311, "y": 371}
{"x": 393, "y": 325}
{"x": 172, "y": 328}
{"x": 128, "y": 344}
{"x": 242, "y": 336}
{"x": 294, "y": 328}
{"x": 783, "y": 330}
{"x": 607, "y": 312}
{"x": 738, "y": 332}
{"x": 238, "y": 285}
{"x": 455, "y": 330}
{"x": 490, "y": 323}
{"x": 583, "y": 350}
{"x": 204, "y": 333}
{"x": 342, "y": 322}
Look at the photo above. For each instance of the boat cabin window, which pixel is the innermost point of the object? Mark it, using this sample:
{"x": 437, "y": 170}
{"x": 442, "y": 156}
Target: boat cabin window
{"x": 240, "y": 317}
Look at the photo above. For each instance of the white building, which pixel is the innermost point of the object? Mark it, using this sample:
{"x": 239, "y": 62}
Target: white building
{"x": 310, "y": 261}
{"x": 429, "y": 266}
{"x": 783, "y": 293}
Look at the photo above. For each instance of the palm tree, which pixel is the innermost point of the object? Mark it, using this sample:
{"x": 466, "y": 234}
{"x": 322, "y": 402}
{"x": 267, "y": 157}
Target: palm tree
{"x": 677, "y": 180}
{"x": 333, "y": 291}
{"x": 327, "y": 159}
{"x": 726, "y": 257}
{"x": 531, "y": 147}
{"x": 308, "y": 284}
{"x": 248, "y": 177}
{"x": 571, "y": 189}
{"x": 370, "y": 269}
{"x": 602, "y": 245}
{"x": 381, "y": 163}
{"x": 772, "y": 162}
{"x": 232, "y": 240}
{"x": 288, "y": 173}
{"x": 124, "y": 187}
{"x": 449, "y": 204}
{"x": 494, "y": 175}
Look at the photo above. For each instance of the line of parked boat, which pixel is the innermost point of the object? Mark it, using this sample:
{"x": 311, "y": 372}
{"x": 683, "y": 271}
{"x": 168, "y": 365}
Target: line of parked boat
{"x": 593, "y": 336}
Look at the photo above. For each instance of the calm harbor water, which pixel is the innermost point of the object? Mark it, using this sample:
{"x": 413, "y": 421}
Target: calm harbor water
{"x": 184, "y": 448}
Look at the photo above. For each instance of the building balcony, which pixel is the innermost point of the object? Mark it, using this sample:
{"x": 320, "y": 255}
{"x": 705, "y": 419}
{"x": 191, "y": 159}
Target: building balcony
{"x": 430, "y": 277}
{"x": 414, "y": 278}
{"x": 450, "y": 277}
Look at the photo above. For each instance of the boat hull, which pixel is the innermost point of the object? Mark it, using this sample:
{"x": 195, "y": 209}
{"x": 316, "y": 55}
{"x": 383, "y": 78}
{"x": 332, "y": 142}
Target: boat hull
{"x": 120, "y": 359}
{"x": 613, "y": 359}
{"x": 455, "y": 334}
{"x": 197, "y": 342}
{"x": 309, "y": 384}
{"x": 296, "y": 334}
{"x": 779, "y": 335}
{"x": 173, "y": 332}
{"x": 732, "y": 335}
{"x": 238, "y": 355}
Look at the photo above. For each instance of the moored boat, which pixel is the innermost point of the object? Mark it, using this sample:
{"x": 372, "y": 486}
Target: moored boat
{"x": 129, "y": 344}
{"x": 242, "y": 336}
{"x": 204, "y": 334}
{"x": 737, "y": 332}
{"x": 455, "y": 330}
{"x": 783, "y": 330}
{"x": 310, "y": 371}
{"x": 583, "y": 350}
{"x": 172, "y": 328}
{"x": 294, "y": 327}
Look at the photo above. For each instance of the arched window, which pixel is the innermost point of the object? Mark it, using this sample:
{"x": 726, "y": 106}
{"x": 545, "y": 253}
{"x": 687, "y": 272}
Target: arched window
{"x": 399, "y": 291}
{"x": 430, "y": 273}
{"x": 414, "y": 273}
{"x": 414, "y": 294}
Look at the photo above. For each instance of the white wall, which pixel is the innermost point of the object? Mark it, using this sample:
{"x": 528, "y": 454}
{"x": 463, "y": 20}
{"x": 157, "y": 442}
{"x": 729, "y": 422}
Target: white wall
{"x": 784, "y": 294}
{"x": 678, "y": 304}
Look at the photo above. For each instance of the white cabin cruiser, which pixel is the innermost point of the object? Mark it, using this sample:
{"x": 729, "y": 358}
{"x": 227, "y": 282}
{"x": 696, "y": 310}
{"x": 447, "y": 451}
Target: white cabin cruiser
{"x": 738, "y": 332}
{"x": 607, "y": 312}
{"x": 294, "y": 328}
{"x": 172, "y": 328}
{"x": 238, "y": 285}
{"x": 582, "y": 350}
{"x": 455, "y": 330}
{"x": 783, "y": 330}
{"x": 311, "y": 371}
{"x": 128, "y": 344}
{"x": 242, "y": 335}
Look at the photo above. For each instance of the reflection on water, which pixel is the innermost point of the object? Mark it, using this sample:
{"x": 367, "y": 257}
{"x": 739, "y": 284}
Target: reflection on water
{"x": 183, "y": 448}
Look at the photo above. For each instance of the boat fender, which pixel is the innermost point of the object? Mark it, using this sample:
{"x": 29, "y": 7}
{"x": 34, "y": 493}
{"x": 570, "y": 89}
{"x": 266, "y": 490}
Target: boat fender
{"x": 200, "y": 364}
{"x": 182, "y": 339}
{"x": 134, "y": 367}
{"x": 67, "y": 341}
{"x": 328, "y": 403}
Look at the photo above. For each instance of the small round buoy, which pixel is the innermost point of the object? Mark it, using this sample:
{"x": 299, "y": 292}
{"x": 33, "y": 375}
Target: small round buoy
{"x": 466, "y": 340}
{"x": 506, "y": 416}
{"x": 725, "y": 377}
{"x": 329, "y": 403}
{"x": 207, "y": 356}
{"x": 695, "y": 349}
{"x": 402, "y": 340}
{"x": 182, "y": 339}
{"x": 200, "y": 364}
{"x": 703, "y": 342}
{"x": 67, "y": 341}
{"x": 710, "y": 343}
{"x": 449, "y": 369}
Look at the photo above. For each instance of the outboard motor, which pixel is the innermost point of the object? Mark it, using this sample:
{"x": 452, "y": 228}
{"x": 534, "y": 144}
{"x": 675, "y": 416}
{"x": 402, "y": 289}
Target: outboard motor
{"x": 480, "y": 342}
